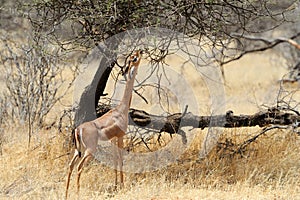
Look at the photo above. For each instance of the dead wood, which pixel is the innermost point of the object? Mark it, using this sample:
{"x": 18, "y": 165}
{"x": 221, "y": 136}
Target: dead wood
{"x": 173, "y": 122}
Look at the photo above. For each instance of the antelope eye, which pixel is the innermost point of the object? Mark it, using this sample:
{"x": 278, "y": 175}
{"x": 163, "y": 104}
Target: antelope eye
{"x": 134, "y": 59}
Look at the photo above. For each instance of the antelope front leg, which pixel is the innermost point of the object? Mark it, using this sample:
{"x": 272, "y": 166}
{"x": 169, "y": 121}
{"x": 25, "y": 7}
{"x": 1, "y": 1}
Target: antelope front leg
{"x": 115, "y": 160}
{"x": 120, "y": 159}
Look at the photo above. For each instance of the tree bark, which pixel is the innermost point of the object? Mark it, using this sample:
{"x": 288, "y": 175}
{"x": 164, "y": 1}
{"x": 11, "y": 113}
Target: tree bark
{"x": 86, "y": 109}
{"x": 172, "y": 123}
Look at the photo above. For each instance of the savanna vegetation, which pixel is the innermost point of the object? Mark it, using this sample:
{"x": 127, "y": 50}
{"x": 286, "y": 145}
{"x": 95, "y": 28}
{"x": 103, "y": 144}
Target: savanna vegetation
{"x": 254, "y": 44}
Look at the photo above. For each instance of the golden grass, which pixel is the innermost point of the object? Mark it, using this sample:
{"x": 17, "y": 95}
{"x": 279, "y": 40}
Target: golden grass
{"x": 269, "y": 169}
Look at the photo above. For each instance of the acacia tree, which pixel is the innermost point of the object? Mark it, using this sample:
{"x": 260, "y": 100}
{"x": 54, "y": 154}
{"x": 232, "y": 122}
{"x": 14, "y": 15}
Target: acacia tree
{"x": 82, "y": 25}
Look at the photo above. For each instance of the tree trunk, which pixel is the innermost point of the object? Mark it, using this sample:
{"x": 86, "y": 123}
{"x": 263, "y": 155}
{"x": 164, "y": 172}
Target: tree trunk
{"x": 105, "y": 59}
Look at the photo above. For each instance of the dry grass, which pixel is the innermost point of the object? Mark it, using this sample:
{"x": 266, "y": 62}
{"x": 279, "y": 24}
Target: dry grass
{"x": 267, "y": 169}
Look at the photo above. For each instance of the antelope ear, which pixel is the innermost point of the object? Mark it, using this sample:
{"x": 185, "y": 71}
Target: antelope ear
{"x": 131, "y": 72}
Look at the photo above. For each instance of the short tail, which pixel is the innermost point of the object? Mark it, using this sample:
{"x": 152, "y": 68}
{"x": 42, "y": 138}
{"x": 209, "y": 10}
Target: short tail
{"x": 77, "y": 141}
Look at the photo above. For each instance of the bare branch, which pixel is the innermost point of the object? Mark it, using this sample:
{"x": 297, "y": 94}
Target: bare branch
{"x": 270, "y": 43}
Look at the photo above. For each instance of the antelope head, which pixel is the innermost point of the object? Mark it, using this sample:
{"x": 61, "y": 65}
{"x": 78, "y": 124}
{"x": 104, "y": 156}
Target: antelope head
{"x": 134, "y": 61}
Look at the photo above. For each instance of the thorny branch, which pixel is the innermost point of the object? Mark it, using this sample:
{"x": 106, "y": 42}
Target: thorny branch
{"x": 270, "y": 43}
{"x": 241, "y": 148}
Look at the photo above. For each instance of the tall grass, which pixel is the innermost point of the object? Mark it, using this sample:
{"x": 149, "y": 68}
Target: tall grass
{"x": 268, "y": 168}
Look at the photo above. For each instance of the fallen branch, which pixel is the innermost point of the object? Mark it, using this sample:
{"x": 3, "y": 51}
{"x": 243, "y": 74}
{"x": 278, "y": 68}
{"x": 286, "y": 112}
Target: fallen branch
{"x": 172, "y": 123}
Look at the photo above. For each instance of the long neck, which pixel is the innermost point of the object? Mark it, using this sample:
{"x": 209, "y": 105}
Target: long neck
{"x": 126, "y": 99}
